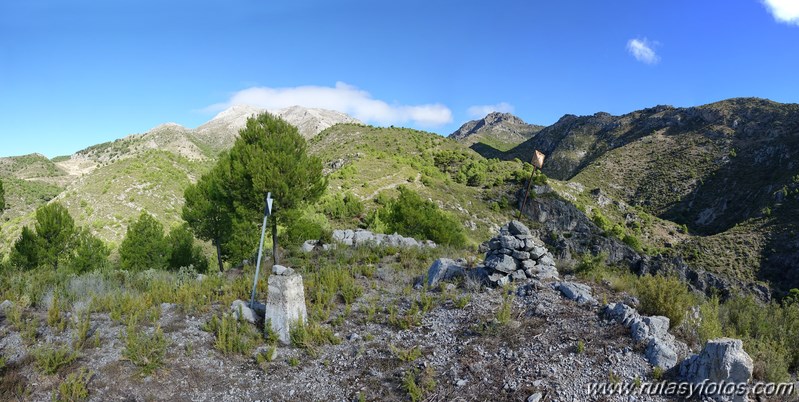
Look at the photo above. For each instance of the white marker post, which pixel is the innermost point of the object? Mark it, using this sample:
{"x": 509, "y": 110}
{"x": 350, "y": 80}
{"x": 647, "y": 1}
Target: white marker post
{"x": 267, "y": 212}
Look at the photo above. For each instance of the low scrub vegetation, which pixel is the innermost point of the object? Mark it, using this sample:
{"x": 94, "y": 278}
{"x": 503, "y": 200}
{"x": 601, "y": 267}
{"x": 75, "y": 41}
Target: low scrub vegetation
{"x": 232, "y": 335}
{"x": 410, "y": 215}
{"x": 770, "y": 331}
{"x": 146, "y": 349}
{"x": 49, "y": 357}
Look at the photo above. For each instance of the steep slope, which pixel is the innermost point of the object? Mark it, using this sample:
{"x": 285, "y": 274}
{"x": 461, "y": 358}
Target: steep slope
{"x": 708, "y": 167}
{"x": 501, "y": 131}
{"x": 369, "y": 161}
{"x": 727, "y": 171}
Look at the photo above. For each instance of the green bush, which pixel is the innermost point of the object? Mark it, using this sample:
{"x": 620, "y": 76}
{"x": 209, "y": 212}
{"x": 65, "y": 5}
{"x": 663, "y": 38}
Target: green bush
{"x": 145, "y": 350}
{"x": 633, "y": 242}
{"x": 410, "y": 215}
{"x": 664, "y": 295}
{"x": 183, "y": 252}
{"x": 302, "y": 226}
{"x": 770, "y": 333}
{"x": 232, "y": 335}
{"x": 49, "y": 358}
{"x": 601, "y": 221}
{"x": 342, "y": 206}
{"x": 590, "y": 263}
{"x": 89, "y": 253}
{"x": 144, "y": 246}
{"x": 73, "y": 389}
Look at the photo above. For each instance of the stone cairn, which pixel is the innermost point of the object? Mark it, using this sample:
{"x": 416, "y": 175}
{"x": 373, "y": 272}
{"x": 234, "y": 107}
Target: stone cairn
{"x": 516, "y": 255}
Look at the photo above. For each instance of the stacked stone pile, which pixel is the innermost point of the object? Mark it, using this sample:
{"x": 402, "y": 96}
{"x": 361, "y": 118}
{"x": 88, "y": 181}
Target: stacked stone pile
{"x": 516, "y": 255}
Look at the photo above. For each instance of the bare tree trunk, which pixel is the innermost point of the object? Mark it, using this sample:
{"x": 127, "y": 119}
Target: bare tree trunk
{"x": 219, "y": 254}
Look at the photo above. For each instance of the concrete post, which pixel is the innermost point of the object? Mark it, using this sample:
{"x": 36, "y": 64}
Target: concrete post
{"x": 285, "y": 302}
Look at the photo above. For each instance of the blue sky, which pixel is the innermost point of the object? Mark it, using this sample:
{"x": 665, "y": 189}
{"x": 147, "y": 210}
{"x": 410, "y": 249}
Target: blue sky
{"x": 73, "y": 74}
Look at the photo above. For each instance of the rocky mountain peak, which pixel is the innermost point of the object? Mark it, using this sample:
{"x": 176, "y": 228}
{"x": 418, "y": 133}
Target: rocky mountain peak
{"x": 499, "y": 130}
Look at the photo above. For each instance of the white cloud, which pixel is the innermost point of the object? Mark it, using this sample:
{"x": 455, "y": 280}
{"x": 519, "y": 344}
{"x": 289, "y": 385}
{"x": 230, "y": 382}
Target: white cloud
{"x": 343, "y": 98}
{"x": 786, "y": 11}
{"x": 483, "y": 110}
{"x": 642, "y": 50}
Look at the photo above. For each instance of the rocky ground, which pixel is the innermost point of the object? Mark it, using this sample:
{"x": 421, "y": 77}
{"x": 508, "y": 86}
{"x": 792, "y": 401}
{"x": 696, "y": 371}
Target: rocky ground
{"x": 525, "y": 341}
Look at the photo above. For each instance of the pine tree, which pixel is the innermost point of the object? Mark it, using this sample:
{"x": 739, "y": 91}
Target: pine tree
{"x": 271, "y": 156}
{"x": 144, "y": 246}
{"x": 25, "y": 253}
{"x": 89, "y": 253}
{"x": 183, "y": 252}
{"x": 55, "y": 230}
{"x": 207, "y": 210}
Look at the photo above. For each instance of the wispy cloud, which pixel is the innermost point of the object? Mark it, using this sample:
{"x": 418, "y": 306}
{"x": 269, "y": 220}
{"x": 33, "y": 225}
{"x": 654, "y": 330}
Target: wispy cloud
{"x": 786, "y": 11}
{"x": 482, "y": 110}
{"x": 342, "y": 97}
{"x": 642, "y": 50}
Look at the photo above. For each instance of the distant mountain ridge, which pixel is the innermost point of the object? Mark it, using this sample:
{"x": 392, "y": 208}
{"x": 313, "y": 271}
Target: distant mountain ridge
{"x": 501, "y": 131}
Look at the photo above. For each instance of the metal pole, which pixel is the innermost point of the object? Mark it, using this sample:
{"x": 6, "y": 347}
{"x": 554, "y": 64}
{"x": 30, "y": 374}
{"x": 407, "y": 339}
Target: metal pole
{"x": 260, "y": 251}
{"x": 526, "y": 193}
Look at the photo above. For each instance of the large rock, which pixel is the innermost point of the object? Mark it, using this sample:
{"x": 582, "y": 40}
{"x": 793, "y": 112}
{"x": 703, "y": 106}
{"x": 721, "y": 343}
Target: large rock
{"x": 511, "y": 243}
{"x": 309, "y": 245}
{"x": 518, "y": 228}
{"x": 721, "y": 359}
{"x": 659, "y": 352}
{"x": 576, "y": 291}
{"x": 343, "y": 236}
{"x": 536, "y": 252}
{"x": 242, "y": 311}
{"x": 621, "y": 313}
{"x": 443, "y": 269}
{"x": 362, "y": 238}
{"x": 5, "y": 305}
{"x": 285, "y": 304}
{"x": 501, "y": 262}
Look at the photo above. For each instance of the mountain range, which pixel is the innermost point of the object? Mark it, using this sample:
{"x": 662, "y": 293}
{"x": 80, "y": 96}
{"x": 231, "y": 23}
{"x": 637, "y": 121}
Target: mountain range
{"x": 714, "y": 185}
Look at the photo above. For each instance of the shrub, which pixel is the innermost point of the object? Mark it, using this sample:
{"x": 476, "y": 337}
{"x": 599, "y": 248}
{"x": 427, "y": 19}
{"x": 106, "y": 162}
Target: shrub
{"x": 664, "y": 295}
{"x": 410, "y": 215}
{"x": 342, "y": 206}
{"x": 183, "y": 252}
{"x": 49, "y": 358}
{"x": 305, "y": 226}
{"x": 633, "y": 242}
{"x": 589, "y": 263}
{"x": 417, "y": 384}
{"x": 73, "y": 389}
{"x": 406, "y": 355}
{"x": 601, "y": 221}
{"x": 232, "y": 335}
{"x": 144, "y": 246}
{"x": 709, "y": 325}
{"x": 145, "y": 350}
{"x": 89, "y": 254}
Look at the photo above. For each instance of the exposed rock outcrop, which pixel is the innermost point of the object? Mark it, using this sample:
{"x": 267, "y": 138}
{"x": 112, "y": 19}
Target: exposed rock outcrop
{"x": 653, "y": 331}
{"x": 720, "y": 360}
{"x": 361, "y": 237}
